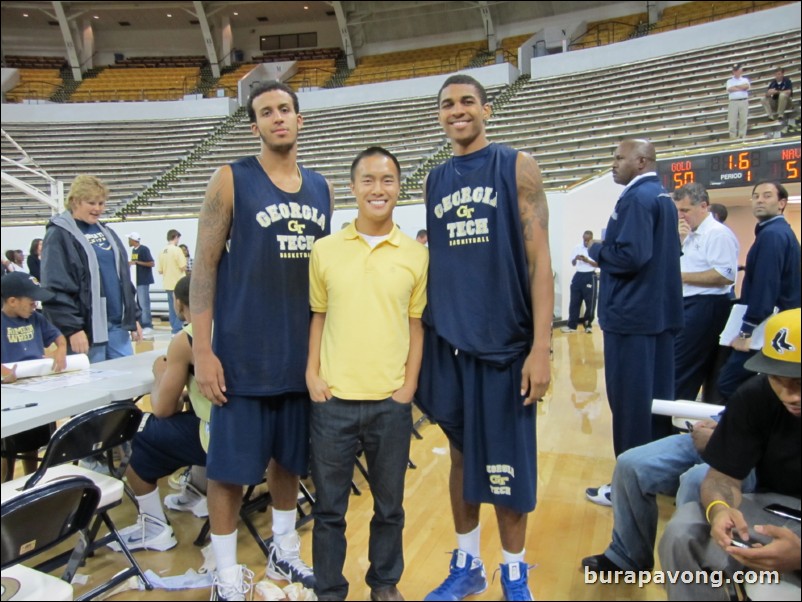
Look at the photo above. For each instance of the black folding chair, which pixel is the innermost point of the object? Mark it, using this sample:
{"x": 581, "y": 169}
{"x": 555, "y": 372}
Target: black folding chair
{"x": 35, "y": 520}
{"x": 92, "y": 432}
{"x": 259, "y": 503}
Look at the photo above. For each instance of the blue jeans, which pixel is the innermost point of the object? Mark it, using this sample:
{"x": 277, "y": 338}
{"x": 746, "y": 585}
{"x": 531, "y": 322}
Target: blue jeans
{"x": 118, "y": 345}
{"x": 175, "y": 322}
{"x": 143, "y": 296}
{"x": 337, "y": 429}
{"x": 670, "y": 466}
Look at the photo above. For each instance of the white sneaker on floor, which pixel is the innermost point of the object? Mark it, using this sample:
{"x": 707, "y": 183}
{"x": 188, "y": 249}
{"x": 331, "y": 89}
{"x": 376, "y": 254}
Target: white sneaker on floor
{"x": 232, "y": 583}
{"x": 285, "y": 563}
{"x": 189, "y": 500}
{"x": 566, "y": 329}
{"x": 600, "y": 495}
{"x": 148, "y": 533}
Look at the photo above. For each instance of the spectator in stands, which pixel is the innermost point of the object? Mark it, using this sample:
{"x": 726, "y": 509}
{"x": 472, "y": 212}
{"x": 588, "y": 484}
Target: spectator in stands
{"x": 719, "y": 212}
{"x": 185, "y": 250}
{"x": 778, "y": 97}
{"x": 738, "y": 108}
{"x": 761, "y": 431}
{"x": 142, "y": 258}
{"x": 85, "y": 263}
{"x": 16, "y": 261}
{"x": 640, "y": 268}
{"x": 171, "y": 265}
{"x": 170, "y": 438}
{"x": 583, "y": 286}
{"x": 361, "y": 398}
{"x": 34, "y": 260}
{"x": 422, "y": 237}
{"x": 489, "y": 258}
{"x": 709, "y": 265}
{"x": 773, "y": 279}
{"x": 254, "y": 370}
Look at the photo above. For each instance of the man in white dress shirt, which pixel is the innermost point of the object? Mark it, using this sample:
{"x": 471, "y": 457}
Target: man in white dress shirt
{"x": 583, "y": 286}
{"x": 709, "y": 266}
{"x": 738, "y": 91}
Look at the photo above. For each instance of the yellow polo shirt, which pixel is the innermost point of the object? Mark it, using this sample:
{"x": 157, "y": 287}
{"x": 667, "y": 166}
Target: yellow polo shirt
{"x": 368, "y": 296}
{"x": 172, "y": 264}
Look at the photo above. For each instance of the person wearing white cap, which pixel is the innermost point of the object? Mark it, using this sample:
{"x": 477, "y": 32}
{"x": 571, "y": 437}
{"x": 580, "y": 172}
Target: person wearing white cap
{"x": 142, "y": 258}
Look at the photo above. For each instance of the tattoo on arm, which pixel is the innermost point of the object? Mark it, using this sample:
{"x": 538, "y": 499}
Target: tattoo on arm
{"x": 532, "y": 204}
{"x": 214, "y": 225}
{"x": 718, "y": 486}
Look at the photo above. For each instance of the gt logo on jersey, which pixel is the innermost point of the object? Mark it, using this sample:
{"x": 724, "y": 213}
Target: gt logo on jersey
{"x": 296, "y": 226}
{"x": 466, "y": 212}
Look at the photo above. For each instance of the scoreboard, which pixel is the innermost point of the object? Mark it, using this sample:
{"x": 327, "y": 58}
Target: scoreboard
{"x": 733, "y": 168}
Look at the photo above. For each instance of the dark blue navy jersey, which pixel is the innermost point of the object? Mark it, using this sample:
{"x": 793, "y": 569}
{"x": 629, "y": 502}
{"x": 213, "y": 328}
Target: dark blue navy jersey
{"x": 773, "y": 272}
{"x": 479, "y": 295}
{"x": 640, "y": 290}
{"x": 25, "y": 338}
{"x": 261, "y": 308}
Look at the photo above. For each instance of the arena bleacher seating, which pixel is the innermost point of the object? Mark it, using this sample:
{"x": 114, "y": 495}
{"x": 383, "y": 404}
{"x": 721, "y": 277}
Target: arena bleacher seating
{"x": 570, "y": 124}
{"x": 126, "y": 155}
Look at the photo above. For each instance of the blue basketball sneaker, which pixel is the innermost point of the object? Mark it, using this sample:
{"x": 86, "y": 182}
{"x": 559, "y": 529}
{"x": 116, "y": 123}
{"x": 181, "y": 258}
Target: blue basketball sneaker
{"x": 465, "y": 578}
{"x": 514, "y": 581}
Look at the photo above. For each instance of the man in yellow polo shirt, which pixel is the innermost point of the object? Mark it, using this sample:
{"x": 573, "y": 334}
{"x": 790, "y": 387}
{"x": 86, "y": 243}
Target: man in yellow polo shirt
{"x": 367, "y": 292}
{"x": 172, "y": 264}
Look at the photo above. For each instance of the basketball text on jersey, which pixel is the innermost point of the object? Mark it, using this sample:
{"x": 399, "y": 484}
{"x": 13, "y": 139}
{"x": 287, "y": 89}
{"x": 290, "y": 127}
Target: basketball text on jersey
{"x": 466, "y": 229}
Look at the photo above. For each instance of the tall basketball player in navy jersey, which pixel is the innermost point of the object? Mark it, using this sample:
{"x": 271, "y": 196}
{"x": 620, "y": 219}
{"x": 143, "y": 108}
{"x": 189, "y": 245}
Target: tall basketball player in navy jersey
{"x": 257, "y": 225}
{"x": 488, "y": 324}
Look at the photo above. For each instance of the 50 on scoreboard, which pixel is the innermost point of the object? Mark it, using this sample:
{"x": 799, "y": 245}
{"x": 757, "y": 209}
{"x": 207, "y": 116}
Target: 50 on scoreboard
{"x": 734, "y": 168}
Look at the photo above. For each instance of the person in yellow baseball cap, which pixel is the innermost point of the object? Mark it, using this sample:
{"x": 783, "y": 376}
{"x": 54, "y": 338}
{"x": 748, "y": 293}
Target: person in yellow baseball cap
{"x": 782, "y": 348}
{"x": 760, "y": 431}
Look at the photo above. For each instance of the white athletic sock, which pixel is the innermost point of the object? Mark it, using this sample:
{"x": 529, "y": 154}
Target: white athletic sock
{"x": 225, "y": 550}
{"x": 283, "y": 523}
{"x": 469, "y": 542}
{"x": 151, "y": 504}
{"x": 509, "y": 557}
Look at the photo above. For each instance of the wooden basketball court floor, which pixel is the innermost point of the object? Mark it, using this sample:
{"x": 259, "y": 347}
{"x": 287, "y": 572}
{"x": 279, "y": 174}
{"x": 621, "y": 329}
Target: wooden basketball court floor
{"x": 574, "y": 452}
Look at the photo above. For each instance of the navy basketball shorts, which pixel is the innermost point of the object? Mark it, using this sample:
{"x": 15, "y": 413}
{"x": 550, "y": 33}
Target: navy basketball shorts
{"x": 164, "y": 445}
{"x": 480, "y": 408}
{"x": 247, "y": 432}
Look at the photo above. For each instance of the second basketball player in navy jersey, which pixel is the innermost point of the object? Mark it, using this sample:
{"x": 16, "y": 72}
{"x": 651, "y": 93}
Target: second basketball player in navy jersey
{"x": 257, "y": 225}
{"x": 488, "y": 325}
